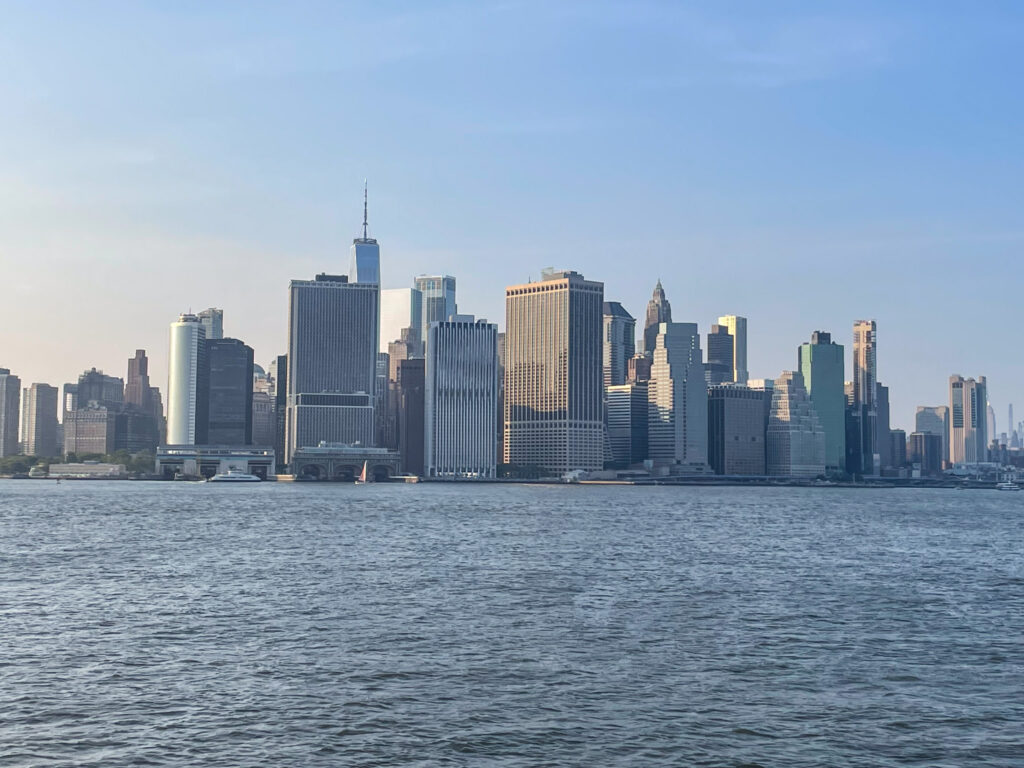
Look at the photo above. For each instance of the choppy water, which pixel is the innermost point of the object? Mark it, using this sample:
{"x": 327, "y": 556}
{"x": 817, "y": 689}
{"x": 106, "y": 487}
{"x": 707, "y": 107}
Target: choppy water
{"x": 279, "y": 625}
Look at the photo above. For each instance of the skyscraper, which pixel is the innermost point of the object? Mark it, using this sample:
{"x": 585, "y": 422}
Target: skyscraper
{"x": 737, "y": 422}
{"x": 659, "y": 311}
{"x": 364, "y": 261}
{"x": 96, "y": 387}
{"x": 411, "y": 386}
{"x": 865, "y": 404}
{"x": 136, "y": 387}
{"x": 678, "y": 400}
{"x": 229, "y": 376}
{"x": 968, "y": 439}
{"x": 619, "y": 342}
{"x": 796, "y": 441}
{"x": 332, "y": 361}
{"x": 437, "y": 300}
{"x": 401, "y": 308}
{"x": 738, "y": 330}
{"x": 461, "y": 398}
{"x": 10, "y": 406}
{"x": 212, "y": 320}
{"x": 882, "y": 441}
{"x": 990, "y": 421}
{"x": 822, "y": 365}
{"x": 554, "y": 410}
{"x": 187, "y": 386}
{"x": 39, "y": 421}
{"x": 720, "y": 355}
{"x": 627, "y": 423}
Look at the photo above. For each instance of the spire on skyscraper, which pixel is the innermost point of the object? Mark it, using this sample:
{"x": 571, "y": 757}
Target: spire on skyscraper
{"x": 364, "y": 209}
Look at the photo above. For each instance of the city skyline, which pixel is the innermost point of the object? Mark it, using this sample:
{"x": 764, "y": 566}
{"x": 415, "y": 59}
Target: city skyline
{"x": 811, "y": 142}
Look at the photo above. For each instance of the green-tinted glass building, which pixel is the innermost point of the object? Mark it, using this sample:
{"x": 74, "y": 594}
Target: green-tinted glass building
{"x": 822, "y": 364}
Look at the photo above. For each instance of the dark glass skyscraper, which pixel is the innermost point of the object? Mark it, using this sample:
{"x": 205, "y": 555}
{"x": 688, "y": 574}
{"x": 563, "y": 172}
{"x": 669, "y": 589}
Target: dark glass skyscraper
{"x": 229, "y": 377}
{"x": 720, "y": 355}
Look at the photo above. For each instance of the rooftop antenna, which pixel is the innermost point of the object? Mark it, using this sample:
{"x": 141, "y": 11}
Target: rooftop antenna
{"x": 364, "y": 210}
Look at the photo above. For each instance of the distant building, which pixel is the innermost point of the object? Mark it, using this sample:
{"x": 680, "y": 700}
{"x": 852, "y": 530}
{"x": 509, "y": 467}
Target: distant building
{"x": 627, "y": 423}
{"x": 364, "y": 261}
{"x": 638, "y": 368}
{"x": 821, "y": 364}
{"x": 212, "y": 321}
{"x": 437, "y": 300}
{"x": 925, "y": 449}
{"x": 187, "y": 385}
{"x": 461, "y": 398}
{"x": 10, "y": 407}
{"x": 796, "y": 441}
{"x": 864, "y": 426}
{"x": 401, "y": 310}
{"x": 332, "y": 362}
{"x": 411, "y": 405}
{"x": 719, "y": 369}
{"x": 554, "y": 392}
{"x": 898, "y": 448}
{"x": 229, "y": 383}
{"x": 968, "y": 439}
{"x": 738, "y": 330}
{"x": 96, "y": 388}
{"x": 140, "y": 396}
{"x": 39, "y": 421}
{"x": 659, "y": 311}
{"x": 737, "y": 426}
{"x": 91, "y": 430}
{"x": 678, "y": 400}
{"x": 884, "y": 443}
{"x": 619, "y": 343}
{"x": 279, "y": 370}
{"x": 934, "y": 420}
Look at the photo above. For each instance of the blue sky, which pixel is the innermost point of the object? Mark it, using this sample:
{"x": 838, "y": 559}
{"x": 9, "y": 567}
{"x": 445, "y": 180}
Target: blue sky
{"x": 804, "y": 164}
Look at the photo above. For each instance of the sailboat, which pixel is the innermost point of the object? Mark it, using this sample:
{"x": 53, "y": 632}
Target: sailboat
{"x": 364, "y": 476}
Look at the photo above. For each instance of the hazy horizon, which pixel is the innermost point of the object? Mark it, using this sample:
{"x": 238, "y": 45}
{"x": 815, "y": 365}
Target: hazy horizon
{"x": 800, "y": 166}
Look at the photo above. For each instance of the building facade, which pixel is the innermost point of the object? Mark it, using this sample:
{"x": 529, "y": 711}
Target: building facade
{"x": 411, "y": 387}
{"x": 437, "y": 300}
{"x": 737, "y": 428}
{"x": 795, "y": 439}
{"x": 10, "y": 413}
{"x": 968, "y": 438}
{"x": 187, "y": 386}
{"x": 864, "y": 429}
{"x": 934, "y": 420}
{"x": 619, "y": 343}
{"x": 627, "y": 423}
{"x": 39, "y": 428}
{"x": 332, "y": 362}
{"x": 212, "y": 320}
{"x": 229, "y": 379}
{"x": 678, "y": 400}
{"x": 554, "y": 389}
{"x": 461, "y": 399}
{"x": 737, "y": 327}
{"x": 720, "y": 367}
{"x": 401, "y": 314}
{"x": 822, "y": 365}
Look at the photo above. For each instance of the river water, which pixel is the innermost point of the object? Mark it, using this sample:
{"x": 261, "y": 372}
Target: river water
{"x": 175, "y": 624}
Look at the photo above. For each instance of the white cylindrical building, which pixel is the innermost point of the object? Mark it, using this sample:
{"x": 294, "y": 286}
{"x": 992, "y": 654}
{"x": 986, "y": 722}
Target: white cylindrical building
{"x": 183, "y": 396}
{"x": 461, "y": 399}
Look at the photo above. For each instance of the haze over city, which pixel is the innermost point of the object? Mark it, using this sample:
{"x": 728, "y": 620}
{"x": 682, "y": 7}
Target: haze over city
{"x": 802, "y": 167}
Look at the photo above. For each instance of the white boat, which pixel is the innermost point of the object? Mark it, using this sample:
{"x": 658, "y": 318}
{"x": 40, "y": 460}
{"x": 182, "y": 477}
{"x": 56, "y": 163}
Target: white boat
{"x": 364, "y": 476}
{"x": 1007, "y": 486}
{"x": 234, "y": 476}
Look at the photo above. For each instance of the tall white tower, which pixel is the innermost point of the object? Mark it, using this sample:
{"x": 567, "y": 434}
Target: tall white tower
{"x": 738, "y": 330}
{"x": 184, "y": 392}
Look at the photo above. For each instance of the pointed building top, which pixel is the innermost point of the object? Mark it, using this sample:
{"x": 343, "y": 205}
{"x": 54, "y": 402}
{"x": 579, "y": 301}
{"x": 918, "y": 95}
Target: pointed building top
{"x": 364, "y": 210}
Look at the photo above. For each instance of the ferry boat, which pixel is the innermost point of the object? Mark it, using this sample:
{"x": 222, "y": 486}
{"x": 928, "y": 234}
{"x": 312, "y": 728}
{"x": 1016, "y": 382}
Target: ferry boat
{"x": 234, "y": 476}
{"x": 1007, "y": 486}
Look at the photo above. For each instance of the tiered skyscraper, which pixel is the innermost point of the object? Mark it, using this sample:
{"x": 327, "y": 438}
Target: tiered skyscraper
{"x": 678, "y": 400}
{"x": 796, "y": 441}
{"x": 461, "y": 398}
{"x": 658, "y": 311}
{"x": 553, "y": 373}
